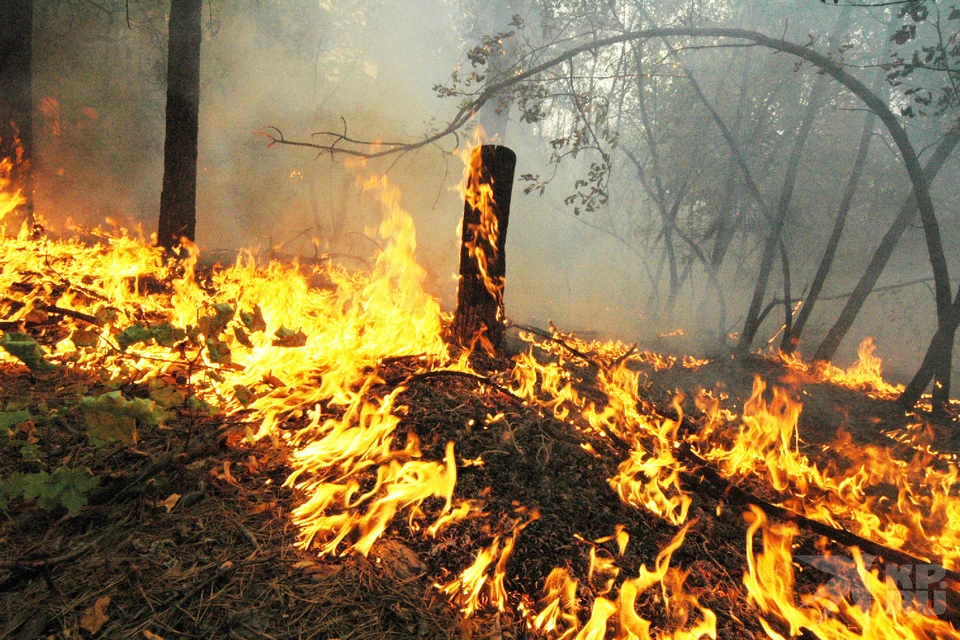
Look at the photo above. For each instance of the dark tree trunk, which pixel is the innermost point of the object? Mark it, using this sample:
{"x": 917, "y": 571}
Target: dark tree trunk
{"x": 937, "y": 362}
{"x": 16, "y": 98}
{"x": 752, "y": 323}
{"x": 787, "y": 297}
{"x": 791, "y": 338}
{"x": 178, "y": 201}
{"x": 480, "y": 313}
{"x": 869, "y": 278}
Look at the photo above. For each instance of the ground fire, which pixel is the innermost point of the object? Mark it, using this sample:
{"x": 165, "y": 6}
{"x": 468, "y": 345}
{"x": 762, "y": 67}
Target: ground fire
{"x": 552, "y": 492}
{"x": 362, "y": 427}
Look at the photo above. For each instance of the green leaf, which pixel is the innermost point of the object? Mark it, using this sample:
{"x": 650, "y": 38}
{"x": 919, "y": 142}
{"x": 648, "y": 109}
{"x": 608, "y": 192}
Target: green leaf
{"x": 165, "y": 334}
{"x": 85, "y": 337}
{"x": 10, "y": 419}
{"x": 165, "y": 395}
{"x": 954, "y": 14}
{"x": 254, "y": 321}
{"x": 132, "y": 335}
{"x": 218, "y": 351}
{"x": 243, "y": 394}
{"x": 201, "y": 406}
{"x": 10, "y": 489}
{"x": 30, "y": 452}
{"x": 212, "y": 325}
{"x": 113, "y": 417}
{"x": 25, "y": 349}
{"x": 289, "y": 338}
{"x": 64, "y": 487}
{"x": 105, "y": 315}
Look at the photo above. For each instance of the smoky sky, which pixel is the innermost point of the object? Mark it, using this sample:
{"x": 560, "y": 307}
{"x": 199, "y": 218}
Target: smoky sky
{"x": 307, "y": 67}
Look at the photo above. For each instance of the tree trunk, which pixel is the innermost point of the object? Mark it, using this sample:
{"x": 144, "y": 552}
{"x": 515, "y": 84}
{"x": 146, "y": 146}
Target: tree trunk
{"x": 178, "y": 201}
{"x": 16, "y": 99}
{"x": 483, "y": 263}
{"x": 792, "y": 338}
{"x": 937, "y": 362}
{"x": 751, "y": 325}
{"x": 869, "y": 278}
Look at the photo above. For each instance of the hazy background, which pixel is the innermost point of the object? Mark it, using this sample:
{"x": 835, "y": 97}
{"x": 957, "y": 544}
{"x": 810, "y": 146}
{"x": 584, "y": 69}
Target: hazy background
{"x": 300, "y": 66}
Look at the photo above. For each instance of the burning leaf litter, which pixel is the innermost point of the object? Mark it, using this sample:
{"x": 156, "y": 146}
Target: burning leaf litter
{"x": 339, "y": 376}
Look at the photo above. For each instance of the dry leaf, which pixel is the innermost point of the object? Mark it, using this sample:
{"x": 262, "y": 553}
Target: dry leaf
{"x": 227, "y": 475}
{"x": 29, "y": 429}
{"x": 263, "y": 506}
{"x": 149, "y": 635}
{"x": 170, "y": 502}
{"x": 96, "y": 616}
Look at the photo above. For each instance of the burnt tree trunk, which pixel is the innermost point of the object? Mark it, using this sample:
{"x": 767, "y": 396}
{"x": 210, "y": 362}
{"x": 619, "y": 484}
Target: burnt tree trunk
{"x": 16, "y": 98}
{"x": 480, "y": 313}
{"x": 178, "y": 200}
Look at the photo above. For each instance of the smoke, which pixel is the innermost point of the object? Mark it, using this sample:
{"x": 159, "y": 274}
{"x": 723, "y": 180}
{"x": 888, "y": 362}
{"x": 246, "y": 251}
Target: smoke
{"x": 368, "y": 69}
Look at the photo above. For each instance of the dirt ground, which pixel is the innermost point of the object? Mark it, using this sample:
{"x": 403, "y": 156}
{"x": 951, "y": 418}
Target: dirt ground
{"x": 188, "y": 534}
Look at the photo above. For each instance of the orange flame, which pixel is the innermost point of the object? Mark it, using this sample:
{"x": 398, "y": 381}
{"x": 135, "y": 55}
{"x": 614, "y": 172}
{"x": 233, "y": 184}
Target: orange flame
{"x": 479, "y": 196}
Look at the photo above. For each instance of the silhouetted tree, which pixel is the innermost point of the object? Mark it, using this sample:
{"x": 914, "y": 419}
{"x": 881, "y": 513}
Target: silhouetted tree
{"x": 16, "y": 95}
{"x": 178, "y": 200}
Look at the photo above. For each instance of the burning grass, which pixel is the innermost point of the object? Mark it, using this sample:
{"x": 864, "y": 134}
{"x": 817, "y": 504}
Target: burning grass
{"x": 555, "y": 494}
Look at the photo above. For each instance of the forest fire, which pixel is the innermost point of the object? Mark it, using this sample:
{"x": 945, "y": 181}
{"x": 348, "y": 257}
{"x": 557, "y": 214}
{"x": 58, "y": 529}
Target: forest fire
{"x": 300, "y": 355}
{"x": 9, "y": 200}
{"x": 322, "y": 439}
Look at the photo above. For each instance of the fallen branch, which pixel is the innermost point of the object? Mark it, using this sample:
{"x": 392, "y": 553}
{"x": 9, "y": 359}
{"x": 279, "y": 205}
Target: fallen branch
{"x": 45, "y": 563}
{"x": 546, "y": 335}
{"x": 446, "y": 373}
{"x": 702, "y": 474}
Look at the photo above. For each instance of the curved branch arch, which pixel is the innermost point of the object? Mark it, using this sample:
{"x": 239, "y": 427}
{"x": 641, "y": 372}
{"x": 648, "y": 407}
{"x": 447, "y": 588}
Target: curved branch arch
{"x": 826, "y": 65}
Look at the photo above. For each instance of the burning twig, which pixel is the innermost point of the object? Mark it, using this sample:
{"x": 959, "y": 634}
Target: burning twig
{"x": 546, "y": 335}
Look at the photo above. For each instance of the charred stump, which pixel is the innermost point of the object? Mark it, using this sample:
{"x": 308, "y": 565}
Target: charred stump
{"x": 486, "y": 213}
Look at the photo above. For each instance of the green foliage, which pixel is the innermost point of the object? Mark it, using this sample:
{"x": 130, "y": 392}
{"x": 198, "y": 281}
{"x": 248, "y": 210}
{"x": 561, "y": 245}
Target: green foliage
{"x": 289, "y": 338}
{"x": 254, "y": 321}
{"x": 166, "y": 335}
{"x": 112, "y": 417}
{"x": 212, "y": 325}
{"x": 166, "y": 395}
{"x": 84, "y": 337}
{"x": 31, "y": 452}
{"x": 9, "y": 419}
{"x": 64, "y": 487}
{"x": 243, "y": 394}
{"x": 25, "y": 349}
{"x": 218, "y": 351}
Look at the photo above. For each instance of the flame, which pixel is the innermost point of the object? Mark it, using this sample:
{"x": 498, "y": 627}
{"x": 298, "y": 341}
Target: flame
{"x": 475, "y": 589}
{"x": 478, "y": 195}
{"x": 770, "y": 583}
{"x": 10, "y": 198}
{"x": 866, "y": 374}
{"x": 765, "y": 443}
{"x": 687, "y": 619}
{"x": 296, "y": 352}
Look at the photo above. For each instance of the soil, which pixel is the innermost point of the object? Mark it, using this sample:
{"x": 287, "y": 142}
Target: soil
{"x": 189, "y": 532}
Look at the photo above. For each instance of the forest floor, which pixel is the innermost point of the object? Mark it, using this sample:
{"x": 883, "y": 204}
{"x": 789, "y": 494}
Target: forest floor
{"x": 188, "y": 533}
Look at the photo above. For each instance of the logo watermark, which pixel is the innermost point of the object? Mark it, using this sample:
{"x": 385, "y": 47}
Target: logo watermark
{"x": 919, "y": 587}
